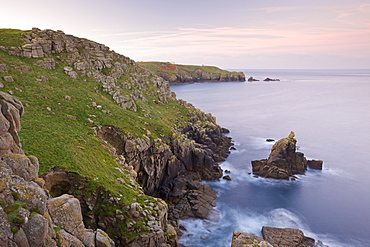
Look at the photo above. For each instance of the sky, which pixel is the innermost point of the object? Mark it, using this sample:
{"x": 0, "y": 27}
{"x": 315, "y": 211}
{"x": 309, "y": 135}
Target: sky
{"x": 230, "y": 34}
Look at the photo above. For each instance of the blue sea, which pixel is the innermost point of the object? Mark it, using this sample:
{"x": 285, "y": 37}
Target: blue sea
{"x": 329, "y": 111}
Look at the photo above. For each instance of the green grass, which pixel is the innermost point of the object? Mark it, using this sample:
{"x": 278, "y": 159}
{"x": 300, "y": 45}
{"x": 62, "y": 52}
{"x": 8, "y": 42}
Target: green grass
{"x": 60, "y": 142}
{"x": 155, "y": 67}
{"x": 11, "y": 37}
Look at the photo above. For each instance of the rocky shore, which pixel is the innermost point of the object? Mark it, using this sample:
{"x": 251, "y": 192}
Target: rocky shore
{"x": 154, "y": 156}
{"x": 29, "y": 216}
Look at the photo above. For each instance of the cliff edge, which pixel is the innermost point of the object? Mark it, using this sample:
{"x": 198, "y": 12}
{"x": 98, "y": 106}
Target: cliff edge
{"x": 108, "y": 134}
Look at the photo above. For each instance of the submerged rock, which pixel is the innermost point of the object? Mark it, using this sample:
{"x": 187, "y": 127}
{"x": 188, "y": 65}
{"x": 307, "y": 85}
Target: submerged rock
{"x": 283, "y": 161}
{"x": 269, "y": 79}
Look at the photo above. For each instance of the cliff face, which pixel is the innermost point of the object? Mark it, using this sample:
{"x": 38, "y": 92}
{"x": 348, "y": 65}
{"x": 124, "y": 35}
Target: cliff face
{"x": 28, "y": 216}
{"x": 109, "y": 136}
{"x": 177, "y": 73}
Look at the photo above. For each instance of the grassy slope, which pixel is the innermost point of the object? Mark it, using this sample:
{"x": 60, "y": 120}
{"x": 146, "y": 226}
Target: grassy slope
{"x": 155, "y": 67}
{"x": 61, "y": 142}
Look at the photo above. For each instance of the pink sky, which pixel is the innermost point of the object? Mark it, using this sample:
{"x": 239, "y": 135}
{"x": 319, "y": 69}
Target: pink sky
{"x": 240, "y": 34}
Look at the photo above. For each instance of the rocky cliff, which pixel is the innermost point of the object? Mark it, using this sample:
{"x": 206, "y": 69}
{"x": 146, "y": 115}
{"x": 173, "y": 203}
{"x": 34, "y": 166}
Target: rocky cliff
{"x": 177, "y": 73}
{"x": 28, "y": 215}
{"x": 109, "y": 135}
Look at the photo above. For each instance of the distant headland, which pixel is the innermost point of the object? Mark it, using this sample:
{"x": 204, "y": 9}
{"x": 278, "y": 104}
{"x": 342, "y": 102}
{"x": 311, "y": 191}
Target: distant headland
{"x": 177, "y": 73}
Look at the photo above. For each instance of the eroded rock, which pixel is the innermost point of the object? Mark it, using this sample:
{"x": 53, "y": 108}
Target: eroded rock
{"x": 286, "y": 237}
{"x": 241, "y": 239}
{"x": 283, "y": 161}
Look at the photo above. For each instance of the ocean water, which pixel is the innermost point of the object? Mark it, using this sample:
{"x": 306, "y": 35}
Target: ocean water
{"x": 329, "y": 111}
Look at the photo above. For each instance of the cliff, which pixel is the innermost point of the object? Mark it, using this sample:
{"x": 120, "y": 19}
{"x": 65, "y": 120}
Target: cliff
{"x": 28, "y": 216}
{"x": 109, "y": 135}
{"x": 177, "y": 73}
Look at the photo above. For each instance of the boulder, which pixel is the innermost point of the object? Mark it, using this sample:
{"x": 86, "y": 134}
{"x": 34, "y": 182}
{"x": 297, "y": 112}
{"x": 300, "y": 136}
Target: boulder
{"x": 286, "y": 237}
{"x": 283, "y": 161}
{"x": 65, "y": 211}
{"x": 315, "y": 164}
{"x": 36, "y": 229}
{"x": 46, "y": 63}
{"x": 269, "y": 79}
{"x": 252, "y": 79}
{"x": 8, "y": 78}
{"x": 241, "y": 239}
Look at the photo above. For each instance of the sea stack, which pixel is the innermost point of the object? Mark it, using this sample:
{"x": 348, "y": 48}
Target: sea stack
{"x": 283, "y": 161}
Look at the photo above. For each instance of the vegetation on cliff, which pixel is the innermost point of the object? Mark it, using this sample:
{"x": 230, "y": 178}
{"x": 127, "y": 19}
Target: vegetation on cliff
{"x": 106, "y": 130}
{"x": 177, "y": 73}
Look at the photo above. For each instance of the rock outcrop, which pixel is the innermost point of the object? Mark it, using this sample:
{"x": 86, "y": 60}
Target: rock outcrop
{"x": 169, "y": 165}
{"x": 283, "y": 161}
{"x": 28, "y": 216}
{"x": 177, "y": 73}
{"x": 242, "y": 239}
{"x": 274, "y": 237}
{"x": 286, "y": 237}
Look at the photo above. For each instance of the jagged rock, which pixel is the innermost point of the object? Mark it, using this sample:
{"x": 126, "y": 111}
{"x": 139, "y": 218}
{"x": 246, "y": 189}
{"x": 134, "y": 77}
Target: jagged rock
{"x": 67, "y": 240}
{"x": 36, "y": 229}
{"x": 286, "y": 237}
{"x": 8, "y": 78}
{"x": 269, "y": 79}
{"x": 32, "y": 51}
{"x": 190, "y": 197}
{"x": 241, "y": 239}
{"x": 315, "y": 164}
{"x": 283, "y": 161}
{"x": 20, "y": 238}
{"x": 65, "y": 211}
{"x": 22, "y": 166}
{"x": 5, "y": 232}
{"x": 103, "y": 240}
{"x": 252, "y": 79}
{"x": 11, "y": 109}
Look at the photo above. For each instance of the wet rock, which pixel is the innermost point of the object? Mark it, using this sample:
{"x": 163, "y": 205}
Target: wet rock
{"x": 252, "y": 79}
{"x": 241, "y": 239}
{"x": 315, "y": 164}
{"x": 227, "y": 177}
{"x": 269, "y": 79}
{"x": 283, "y": 161}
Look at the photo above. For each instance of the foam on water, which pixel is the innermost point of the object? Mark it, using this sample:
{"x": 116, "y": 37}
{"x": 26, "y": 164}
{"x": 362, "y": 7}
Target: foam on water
{"x": 328, "y": 111}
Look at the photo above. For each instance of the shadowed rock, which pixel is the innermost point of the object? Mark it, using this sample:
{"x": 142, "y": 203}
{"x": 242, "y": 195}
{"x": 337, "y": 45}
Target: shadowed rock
{"x": 283, "y": 161}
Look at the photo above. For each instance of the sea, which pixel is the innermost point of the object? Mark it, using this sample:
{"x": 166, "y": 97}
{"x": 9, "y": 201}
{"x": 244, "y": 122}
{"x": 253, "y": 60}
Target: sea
{"x": 329, "y": 111}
